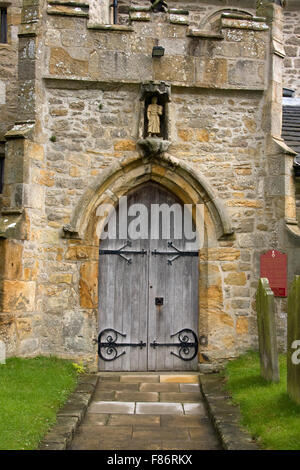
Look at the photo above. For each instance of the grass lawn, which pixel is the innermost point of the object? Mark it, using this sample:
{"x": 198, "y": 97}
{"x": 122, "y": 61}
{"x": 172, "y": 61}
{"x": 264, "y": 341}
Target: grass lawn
{"x": 268, "y": 413}
{"x": 31, "y": 392}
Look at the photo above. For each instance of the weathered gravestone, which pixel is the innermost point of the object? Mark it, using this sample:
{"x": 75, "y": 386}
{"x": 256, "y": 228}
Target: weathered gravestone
{"x": 267, "y": 331}
{"x": 293, "y": 342}
{"x": 2, "y": 352}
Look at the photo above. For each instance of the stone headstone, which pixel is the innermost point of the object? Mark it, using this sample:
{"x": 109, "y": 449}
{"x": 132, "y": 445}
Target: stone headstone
{"x": 267, "y": 331}
{"x": 293, "y": 342}
{"x": 2, "y": 352}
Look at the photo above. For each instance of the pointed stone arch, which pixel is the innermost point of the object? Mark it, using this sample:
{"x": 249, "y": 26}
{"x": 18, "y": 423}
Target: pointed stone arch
{"x": 190, "y": 187}
{"x": 175, "y": 175}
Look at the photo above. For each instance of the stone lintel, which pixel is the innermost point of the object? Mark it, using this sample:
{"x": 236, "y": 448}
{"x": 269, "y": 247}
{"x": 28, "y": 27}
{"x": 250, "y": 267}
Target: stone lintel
{"x": 12, "y": 211}
{"x": 244, "y": 23}
{"x": 62, "y": 10}
{"x": 69, "y": 3}
{"x": 139, "y": 16}
{"x": 76, "y": 82}
{"x": 194, "y": 33}
{"x": 80, "y": 83}
{"x": 178, "y": 11}
{"x": 111, "y": 27}
{"x": 20, "y": 131}
{"x": 179, "y": 20}
{"x": 239, "y": 16}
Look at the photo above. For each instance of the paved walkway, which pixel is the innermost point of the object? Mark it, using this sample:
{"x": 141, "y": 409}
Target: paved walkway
{"x": 146, "y": 412}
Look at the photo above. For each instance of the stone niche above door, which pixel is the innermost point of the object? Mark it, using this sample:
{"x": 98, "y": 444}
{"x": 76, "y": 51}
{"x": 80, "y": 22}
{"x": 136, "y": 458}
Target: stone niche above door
{"x": 153, "y": 143}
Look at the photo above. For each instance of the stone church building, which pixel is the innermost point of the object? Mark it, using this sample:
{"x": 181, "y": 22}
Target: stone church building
{"x": 77, "y": 82}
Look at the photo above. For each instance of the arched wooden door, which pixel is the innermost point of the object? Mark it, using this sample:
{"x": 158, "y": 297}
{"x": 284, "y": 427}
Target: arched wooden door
{"x": 148, "y": 289}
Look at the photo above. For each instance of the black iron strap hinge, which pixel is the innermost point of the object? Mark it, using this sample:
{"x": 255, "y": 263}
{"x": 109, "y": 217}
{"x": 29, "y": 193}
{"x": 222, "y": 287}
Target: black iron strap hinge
{"x": 188, "y": 344}
{"x": 110, "y": 345}
{"x": 175, "y": 254}
{"x": 121, "y": 252}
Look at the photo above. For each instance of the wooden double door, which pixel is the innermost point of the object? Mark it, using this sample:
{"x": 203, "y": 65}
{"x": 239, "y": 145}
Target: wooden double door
{"x": 148, "y": 290}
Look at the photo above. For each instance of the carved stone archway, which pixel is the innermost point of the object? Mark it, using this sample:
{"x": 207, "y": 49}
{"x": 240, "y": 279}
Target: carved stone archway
{"x": 119, "y": 178}
{"x": 189, "y": 187}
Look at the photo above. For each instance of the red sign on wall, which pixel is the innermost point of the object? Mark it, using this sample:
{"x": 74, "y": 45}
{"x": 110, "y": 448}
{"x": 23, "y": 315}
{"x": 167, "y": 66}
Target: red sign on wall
{"x": 273, "y": 266}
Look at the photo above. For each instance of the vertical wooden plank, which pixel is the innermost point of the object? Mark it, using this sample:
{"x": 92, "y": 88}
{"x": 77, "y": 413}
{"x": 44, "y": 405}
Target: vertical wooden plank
{"x": 103, "y": 266}
{"x": 127, "y": 301}
{"x": 178, "y": 285}
{"x": 152, "y": 317}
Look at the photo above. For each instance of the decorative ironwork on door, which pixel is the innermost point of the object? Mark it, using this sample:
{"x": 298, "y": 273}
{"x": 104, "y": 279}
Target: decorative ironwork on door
{"x": 177, "y": 253}
{"x": 108, "y": 349}
{"x": 122, "y": 252}
{"x": 110, "y": 345}
{"x": 187, "y": 345}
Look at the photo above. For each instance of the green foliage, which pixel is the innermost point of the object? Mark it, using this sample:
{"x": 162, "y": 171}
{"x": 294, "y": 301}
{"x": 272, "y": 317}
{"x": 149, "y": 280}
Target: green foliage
{"x": 53, "y": 138}
{"x": 80, "y": 369}
{"x": 268, "y": 413}
{"x": 31, "y": 393}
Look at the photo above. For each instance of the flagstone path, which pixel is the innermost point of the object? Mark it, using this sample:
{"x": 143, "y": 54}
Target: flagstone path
{"x": 146, "y": 412}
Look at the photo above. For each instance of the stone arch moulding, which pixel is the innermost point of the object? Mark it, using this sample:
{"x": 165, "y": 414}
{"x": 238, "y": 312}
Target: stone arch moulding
{"x": 129, "y": 172}
{"x": 209, "y": 20}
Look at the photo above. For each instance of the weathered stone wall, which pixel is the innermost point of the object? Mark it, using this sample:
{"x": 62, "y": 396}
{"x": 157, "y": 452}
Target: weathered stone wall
{"x": 201, "y": 13}
{"x": 292, "y": 48}
{"x": 85, "y": 95}
{"x": 218, "y": 133}
{"x": 8, "y": 69}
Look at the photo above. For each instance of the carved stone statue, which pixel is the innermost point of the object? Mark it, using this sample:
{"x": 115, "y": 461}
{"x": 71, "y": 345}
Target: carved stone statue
{"x": 159, "y": 5}
{"x": 153, "y": 112}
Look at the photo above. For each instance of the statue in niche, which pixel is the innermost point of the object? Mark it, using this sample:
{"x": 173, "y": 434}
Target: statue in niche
{"x": 154, "y": 110}
{"x": 159, "y": 5}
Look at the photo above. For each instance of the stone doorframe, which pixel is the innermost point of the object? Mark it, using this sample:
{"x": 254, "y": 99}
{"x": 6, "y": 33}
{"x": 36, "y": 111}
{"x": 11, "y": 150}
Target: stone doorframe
{"x": 116, "y": 181}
